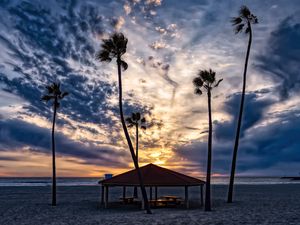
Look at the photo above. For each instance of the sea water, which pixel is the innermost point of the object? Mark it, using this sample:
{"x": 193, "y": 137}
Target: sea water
{"x": 87, "y": 181}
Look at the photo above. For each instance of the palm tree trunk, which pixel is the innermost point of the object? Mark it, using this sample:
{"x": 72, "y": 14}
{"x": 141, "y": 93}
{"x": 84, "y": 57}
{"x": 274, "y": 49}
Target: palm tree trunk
{"x": 53, "y": 157}
{"x": 143, "y": 190}
{"x": 135, "y": 194}
{"x": 238, "y": 130}
{"x": 137, "y": 142}
{"x": 209, "y": 153}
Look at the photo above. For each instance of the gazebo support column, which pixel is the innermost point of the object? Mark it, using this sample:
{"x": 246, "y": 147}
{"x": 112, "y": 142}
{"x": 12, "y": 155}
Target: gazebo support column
{"x": 124, "y": 193}
{"x": 106, "y": 197}
{"x": 186, "y": 196}
{"x": 155, "y": 192}
{"x": 143, "y": 204}
{"x": 102, "y": 194}
{"x": 150, "y": 192}
{"x": 201, "y": 193}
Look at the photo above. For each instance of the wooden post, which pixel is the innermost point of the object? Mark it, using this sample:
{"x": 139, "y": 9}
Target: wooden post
{"x": 102, "y": 194}
{"x": 186, "y": 194}
{"x": 201, "y": 197}
{"x": 155, "y": 192}
{"x": 150, "y": 192}
{"x": 143, "y": 204}
{"x": 106, "y": 197}
{"x": 124, "y": 193}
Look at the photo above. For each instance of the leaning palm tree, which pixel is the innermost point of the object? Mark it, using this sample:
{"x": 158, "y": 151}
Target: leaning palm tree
{"x": 115, "y": 48}
{"x": 54, "y": 94}
{"x": 242, "y": 23}
{"x": 136, "y": 121}
{"x": 206, "y": 79}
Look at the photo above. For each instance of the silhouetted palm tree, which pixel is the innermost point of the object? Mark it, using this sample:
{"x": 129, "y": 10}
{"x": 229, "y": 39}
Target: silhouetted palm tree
{"x": 115, "y": 47}
{"x": 206, "y": 79}
{"x": 241, "y": 23}
{"x": 136, "y": 121}
{"x": 54, "y": 94}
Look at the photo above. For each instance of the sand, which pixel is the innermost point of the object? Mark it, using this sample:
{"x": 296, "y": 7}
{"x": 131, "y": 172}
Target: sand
{"x": 255, "y": 204}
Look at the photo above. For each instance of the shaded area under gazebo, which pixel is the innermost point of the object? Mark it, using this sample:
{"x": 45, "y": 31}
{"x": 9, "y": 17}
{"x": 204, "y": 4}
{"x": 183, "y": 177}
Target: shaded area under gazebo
{"x": 153, "y": 176}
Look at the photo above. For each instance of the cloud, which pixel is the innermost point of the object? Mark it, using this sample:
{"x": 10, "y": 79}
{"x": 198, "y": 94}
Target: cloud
{"x": 266, "y": 147}
{"x": 43, "y": 41}
{"x": 254, "y": 111}
{"x": 281, "y": 57}
{"x": 16, "y": 134}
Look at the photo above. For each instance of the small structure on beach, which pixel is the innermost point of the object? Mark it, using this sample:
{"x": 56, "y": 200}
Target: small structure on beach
{"x": 154, "y": 177}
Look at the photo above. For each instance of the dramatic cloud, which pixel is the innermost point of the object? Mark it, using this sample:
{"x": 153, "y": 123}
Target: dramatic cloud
{"x": 169, "y": 41}
{"x": 281, "y": 57}
{"x": 38, "y": 139}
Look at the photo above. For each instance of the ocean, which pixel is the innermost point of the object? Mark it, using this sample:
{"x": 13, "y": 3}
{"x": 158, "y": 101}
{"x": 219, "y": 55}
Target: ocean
{"x": 87, "y": 181}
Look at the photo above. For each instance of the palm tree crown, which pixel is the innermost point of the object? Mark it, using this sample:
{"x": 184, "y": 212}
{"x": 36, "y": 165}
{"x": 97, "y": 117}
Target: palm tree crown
{"x": 114, "y": 47}
{"x": 54, "y": 93}
{"x": 243, "y": 21}
{"x": 206, "y": 79}
{"x": 136, "y": 120}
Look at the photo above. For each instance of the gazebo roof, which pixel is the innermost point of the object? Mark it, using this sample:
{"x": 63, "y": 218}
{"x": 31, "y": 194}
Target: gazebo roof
{"x": 153, "y": 175}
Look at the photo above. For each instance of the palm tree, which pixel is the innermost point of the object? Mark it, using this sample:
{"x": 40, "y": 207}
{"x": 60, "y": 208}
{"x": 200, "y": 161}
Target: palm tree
{"x": 54, "y": 94}
{"x": 206, "y": 79}
{"x": 115, "y": 47}
{"x": 242, "y": 23}
{"x": 136, "y": 121}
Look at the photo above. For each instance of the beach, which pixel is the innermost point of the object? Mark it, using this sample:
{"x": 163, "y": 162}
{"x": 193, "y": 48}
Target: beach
{"x": 254, "y": 204}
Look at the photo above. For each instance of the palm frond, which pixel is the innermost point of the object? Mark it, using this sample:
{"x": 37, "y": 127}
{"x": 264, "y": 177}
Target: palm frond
{"x": 54, "y": 93}
{"x": 254, "y": 19}
{"x": 113, "y": 47}
{"x": 143, "y": 120}
{"x": 49, "y": 89}
{"x": 212, "y": 75}
{"x": 65, "y": 94}
{"x": 143, "y": 127}
{"x": 108, "y": 45}
{"x": 198, "y": 82}
{"x": 130, "y": 125}
{"x": 244, "y": 12}
{"x": 236, "y": 20}
{"x": 208, "y": 76}
{"x": 219, "y": 81}
{"x": 103, "y": 56}
{"x": 247, "y": 30}
{"x": 138, "y": 116}
{"x": 198, "y": 91}
{"x": 120, "y": 42}
{"x": 239, "y": 28}
{"x": 129, "y": 120}
{"x": 124, "y": 65}
{"x": 47, "y": 98}
{"x": 133, "y": 116}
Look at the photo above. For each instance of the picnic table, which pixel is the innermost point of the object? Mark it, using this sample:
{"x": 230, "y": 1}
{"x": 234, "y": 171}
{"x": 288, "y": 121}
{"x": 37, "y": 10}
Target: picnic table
{"x": 167, "y": 200}
{"x": 127, "y": 200}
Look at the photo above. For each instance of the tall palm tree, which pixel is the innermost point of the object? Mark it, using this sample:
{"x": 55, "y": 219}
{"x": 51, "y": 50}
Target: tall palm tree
{"x": 206, "y": 79}
{"x": 54, "y": 94}
{"x": 136, "y": 121}
{"x": 115, "y": 47}
{"x": 242, "y": 23}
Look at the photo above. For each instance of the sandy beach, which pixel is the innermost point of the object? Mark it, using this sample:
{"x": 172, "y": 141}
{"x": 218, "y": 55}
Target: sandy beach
{"x": 255, "y": 204}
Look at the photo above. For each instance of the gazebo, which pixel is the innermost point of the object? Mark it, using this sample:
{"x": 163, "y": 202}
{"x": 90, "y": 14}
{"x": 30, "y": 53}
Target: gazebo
{"x": 153, "y": 176}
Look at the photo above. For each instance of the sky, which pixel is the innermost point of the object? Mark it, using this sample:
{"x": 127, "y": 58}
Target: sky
{"x": 169, "y": 41}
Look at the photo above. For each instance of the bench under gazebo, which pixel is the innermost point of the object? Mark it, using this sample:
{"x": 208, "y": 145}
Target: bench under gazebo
{"x": 154, "y": 177}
